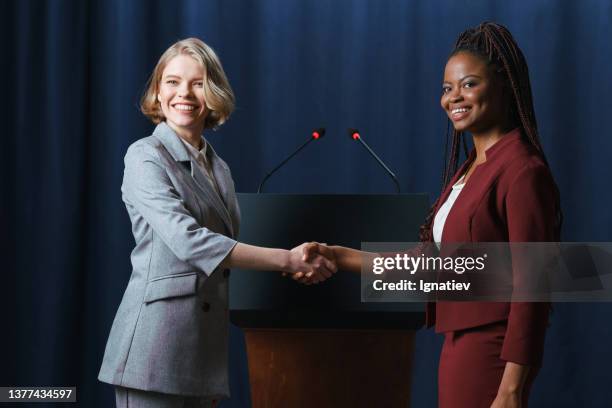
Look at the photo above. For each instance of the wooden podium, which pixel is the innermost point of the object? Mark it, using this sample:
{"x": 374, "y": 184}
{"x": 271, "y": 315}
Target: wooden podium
{"x": 329, "y": 368}
{"x": 319, "y": 346}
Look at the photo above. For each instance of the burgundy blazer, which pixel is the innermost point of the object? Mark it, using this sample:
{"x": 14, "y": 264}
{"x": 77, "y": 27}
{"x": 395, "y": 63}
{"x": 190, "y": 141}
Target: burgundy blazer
{"x": 512, "y": 197}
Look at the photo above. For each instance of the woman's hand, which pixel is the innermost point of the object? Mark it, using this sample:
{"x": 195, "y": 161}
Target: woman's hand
{"x": 507, "y": 400}
{"x": 311, "y": 263}
{"x": 510, "y": 392}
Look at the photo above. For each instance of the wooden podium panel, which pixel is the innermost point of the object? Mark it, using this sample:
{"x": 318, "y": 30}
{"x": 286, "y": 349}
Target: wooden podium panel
{"x": 329, "y": 368}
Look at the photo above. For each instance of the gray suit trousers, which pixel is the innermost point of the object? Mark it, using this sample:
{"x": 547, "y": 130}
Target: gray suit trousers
{"x": 133, "y": 398}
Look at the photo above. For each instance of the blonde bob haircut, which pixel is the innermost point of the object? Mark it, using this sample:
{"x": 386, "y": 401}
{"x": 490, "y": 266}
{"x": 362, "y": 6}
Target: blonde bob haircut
{"x": 217, "y": 91}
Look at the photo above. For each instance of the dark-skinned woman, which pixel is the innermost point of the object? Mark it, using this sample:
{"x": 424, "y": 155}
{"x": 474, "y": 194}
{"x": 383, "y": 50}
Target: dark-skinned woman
{"x": 503, "y": 192}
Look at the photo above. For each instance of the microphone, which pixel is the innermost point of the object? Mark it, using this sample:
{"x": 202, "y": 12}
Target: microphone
{"x": 354, "y": 134}
{"x": 316, "y": 135}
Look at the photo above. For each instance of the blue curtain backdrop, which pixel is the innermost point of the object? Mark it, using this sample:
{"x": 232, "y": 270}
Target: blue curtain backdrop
{"x": 73, "y": 72}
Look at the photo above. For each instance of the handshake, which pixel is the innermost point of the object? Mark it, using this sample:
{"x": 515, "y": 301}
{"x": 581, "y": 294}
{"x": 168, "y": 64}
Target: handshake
{"x": 311, "y": 263}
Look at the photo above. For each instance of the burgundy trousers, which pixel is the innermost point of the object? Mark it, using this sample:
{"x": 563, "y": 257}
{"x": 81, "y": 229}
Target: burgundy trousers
{"x": 470, "y": 369}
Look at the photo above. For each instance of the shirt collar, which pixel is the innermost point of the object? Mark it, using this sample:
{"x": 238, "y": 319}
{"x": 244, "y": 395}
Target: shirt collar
{"x": 193, "y": 151}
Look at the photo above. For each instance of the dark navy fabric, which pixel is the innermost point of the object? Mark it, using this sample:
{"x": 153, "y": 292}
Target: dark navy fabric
{"x": 73, "y": 73}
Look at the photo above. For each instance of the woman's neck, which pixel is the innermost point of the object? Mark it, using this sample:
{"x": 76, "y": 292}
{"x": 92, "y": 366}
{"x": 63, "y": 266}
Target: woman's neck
{"x": 193, "y": 137}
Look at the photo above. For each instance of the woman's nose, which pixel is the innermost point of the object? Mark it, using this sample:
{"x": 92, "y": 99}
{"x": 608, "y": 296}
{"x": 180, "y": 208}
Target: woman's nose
{"x": 455, "y": 95}
{"x": 184, "y": 90}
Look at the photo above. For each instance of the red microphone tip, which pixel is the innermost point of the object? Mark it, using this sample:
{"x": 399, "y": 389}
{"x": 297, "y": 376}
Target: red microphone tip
{"x": 315, "y": 135}
{"x": 356, "y": 136}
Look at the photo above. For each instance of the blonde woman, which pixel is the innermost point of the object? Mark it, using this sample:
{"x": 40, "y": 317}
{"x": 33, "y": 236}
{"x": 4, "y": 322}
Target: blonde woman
{"x": 168, "y": 343}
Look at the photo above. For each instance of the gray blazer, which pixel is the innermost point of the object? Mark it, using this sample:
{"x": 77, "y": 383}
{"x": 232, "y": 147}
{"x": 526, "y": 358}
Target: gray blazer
{"x": 170, "y": 333}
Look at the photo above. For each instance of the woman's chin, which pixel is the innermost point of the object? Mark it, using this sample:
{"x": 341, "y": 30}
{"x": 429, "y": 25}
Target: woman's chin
{"x": 186, "y": 123}
{"x": 459, "y": 127}
{"x": 463, "y": 126}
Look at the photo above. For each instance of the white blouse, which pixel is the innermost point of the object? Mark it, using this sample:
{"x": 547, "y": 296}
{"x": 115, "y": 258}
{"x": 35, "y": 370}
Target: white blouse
{"x": 440, "y": 218}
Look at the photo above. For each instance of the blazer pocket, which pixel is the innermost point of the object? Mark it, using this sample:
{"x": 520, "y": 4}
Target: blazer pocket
{"x": 171, "y": 286}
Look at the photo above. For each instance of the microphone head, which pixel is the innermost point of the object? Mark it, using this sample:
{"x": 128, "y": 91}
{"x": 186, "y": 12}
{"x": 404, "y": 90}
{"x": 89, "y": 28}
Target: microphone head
{"x": 318, "y": 133}
{"x": 354, "y": 133}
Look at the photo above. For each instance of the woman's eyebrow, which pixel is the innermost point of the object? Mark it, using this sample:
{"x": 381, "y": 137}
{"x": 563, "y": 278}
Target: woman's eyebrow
{"x": 463, "y": 78}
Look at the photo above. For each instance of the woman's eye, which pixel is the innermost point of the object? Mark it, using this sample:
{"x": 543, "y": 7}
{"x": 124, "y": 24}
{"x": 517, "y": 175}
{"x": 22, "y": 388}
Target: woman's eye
{"x": 172, "y": 82}
{"x": 199, "y": 84}
{"x": 469, "y": 85}
{"x": 446, "y": 89}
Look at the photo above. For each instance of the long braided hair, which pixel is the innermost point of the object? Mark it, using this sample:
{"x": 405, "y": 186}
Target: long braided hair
{"x": 494, "y": 44}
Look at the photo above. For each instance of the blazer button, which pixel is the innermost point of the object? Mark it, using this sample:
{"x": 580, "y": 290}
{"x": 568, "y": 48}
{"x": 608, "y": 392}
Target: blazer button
{"x": 226, "y": 273}
{"x": 205, "y": 307}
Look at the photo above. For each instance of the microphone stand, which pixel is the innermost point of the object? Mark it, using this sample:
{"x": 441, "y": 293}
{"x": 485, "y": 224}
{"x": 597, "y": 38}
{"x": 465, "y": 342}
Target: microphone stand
{"x": 354, "y": 133}
{"x": 316, "y": 134}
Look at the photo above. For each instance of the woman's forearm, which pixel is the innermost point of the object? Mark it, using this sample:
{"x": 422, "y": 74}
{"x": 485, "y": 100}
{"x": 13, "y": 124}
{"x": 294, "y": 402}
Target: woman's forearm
{"x": 292, "y": 261}
{"x": 244, "y": 256}
{"x": 349, "y": 259}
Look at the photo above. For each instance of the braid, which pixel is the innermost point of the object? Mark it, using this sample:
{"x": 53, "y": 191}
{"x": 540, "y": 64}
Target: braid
{"x": 494, "y": 43}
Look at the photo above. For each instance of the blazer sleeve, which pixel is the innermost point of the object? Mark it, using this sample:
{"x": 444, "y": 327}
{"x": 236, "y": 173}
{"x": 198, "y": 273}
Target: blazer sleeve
{"x": 531, "y": 210}
{"x": 148, "y": 188}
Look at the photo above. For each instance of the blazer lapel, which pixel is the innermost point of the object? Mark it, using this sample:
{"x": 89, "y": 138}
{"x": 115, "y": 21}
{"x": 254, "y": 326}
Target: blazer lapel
{"x": 204, "y": 185}
{"x": 448, "y": 190}
{"x": 179, "y": 153}
{"x": 225, "y": 183}
{"x": 454, "y": 179}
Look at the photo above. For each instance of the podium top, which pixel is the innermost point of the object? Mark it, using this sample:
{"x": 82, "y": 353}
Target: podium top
{"x": 260, "y": 299}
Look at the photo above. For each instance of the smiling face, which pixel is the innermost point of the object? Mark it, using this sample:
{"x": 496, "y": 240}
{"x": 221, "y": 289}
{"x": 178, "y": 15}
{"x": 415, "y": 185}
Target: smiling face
{"x": 472, "y": 94}
{"x": 181, "y": 96}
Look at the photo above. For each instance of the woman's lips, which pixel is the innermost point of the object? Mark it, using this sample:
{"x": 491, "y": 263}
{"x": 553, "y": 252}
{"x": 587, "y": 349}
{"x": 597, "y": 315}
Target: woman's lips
{"x": 184, "y": 108}
{"x": 459, "y": 113}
